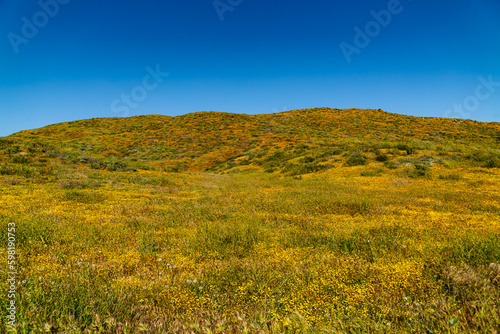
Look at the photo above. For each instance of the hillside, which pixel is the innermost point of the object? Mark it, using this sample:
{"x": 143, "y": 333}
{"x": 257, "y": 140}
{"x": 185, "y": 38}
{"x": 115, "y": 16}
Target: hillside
{"x": 305, "y": 221}
{"x": 220, "y": 141}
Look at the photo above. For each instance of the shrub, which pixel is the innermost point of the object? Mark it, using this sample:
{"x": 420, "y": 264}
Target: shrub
{"x": 112, "y": 166}
{"x": 5, "y": 142}
{"x": 175, "y": 169}
{"x": 421, "y": 169}
{"x": 294, "y": 169}
{"x": 306, "y": 159}
{"x": 86, "y": 160}
{"x": 409, "y": 149}
{"x": 484, "y": 159}
{"x": 382, "y": 157}
{"x": 116, "y": 166}
{"x": 12, "y": 150}
{"x": 20, "y": 159}
{"x": 356, "y": 159}
{"x": 492, "y": 162}
{"x": 97, "y": 165}
{"x": 391, "y": 164}
{"x": 270, "y": 169}
{"x": 277, "y": 156}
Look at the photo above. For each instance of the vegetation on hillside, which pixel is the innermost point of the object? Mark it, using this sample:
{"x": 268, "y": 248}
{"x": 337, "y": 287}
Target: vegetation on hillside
{"x": 307, "y": 221}
{"x": 220, "y": 141}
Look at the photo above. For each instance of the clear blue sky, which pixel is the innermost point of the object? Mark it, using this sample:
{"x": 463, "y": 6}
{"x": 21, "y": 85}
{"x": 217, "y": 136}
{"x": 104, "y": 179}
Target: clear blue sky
{"x": 91, "y": 58}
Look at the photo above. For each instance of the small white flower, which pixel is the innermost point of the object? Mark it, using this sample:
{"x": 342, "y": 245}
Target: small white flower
{"x": 159, "y": 259}
{"x": 188, "y": 281}
{"x": 195, "y": 281}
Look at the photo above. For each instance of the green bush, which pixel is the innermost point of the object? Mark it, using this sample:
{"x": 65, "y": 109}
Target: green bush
{"x": 294, "y": 169}
{"x": 12, "y": 150}
{"x": 113, "y": 166}
{"x": 20, "y": 159}
{"x": 492, "y": 162}
{"x": 4, "y": 143}
{"x": 484, "y": 159}
{"x": 356, "y": 159}
{"x": 419, "y": 170}
{"x": 116, "y": 166}
{"x": 86, "y": 160}
{"x": 391, "y": 164}
{"x": 382, "y": 157}
{"x": 409, "y": 149}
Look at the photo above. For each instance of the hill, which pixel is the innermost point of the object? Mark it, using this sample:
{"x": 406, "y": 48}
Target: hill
{"x": 305, "y": 221}
{"x": 218, "y": 141}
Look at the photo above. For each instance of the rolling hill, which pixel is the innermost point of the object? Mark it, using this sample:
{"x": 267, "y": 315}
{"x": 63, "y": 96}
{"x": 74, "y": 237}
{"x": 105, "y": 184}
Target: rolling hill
{"x": 306, "y": 221}
{"x": 220, "y": 141}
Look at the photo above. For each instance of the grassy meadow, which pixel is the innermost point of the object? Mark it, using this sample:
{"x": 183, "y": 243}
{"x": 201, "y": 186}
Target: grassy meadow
{"x": 293, "y": 226}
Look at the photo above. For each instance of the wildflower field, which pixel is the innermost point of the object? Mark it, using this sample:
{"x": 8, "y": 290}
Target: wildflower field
{"x": 313, "y": 221}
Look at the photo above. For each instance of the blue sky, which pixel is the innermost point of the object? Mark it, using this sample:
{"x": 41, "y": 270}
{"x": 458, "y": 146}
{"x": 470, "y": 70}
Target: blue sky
{"x": 63, "y": 60}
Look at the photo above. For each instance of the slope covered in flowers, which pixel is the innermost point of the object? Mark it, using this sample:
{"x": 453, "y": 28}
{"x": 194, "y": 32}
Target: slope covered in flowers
{"x": 207, "y": 140}
{"x": 308, "y": 221}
